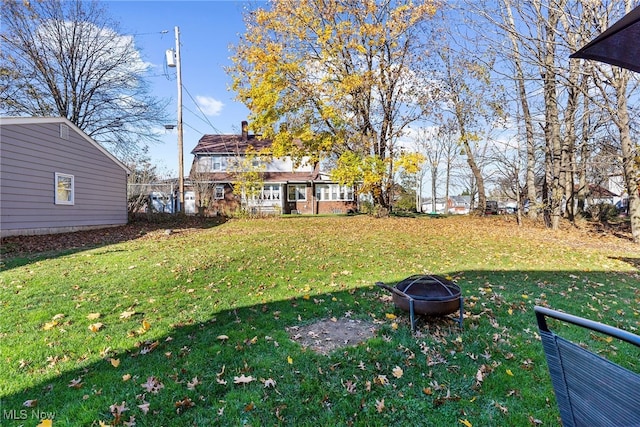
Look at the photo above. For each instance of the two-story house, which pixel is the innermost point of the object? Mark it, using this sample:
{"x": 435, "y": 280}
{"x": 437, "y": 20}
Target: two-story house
{"x": 286, "y": 187}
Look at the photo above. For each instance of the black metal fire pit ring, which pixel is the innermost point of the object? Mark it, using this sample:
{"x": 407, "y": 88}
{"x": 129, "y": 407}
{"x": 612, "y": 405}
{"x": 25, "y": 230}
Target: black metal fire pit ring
{"x": 411, "y": 299}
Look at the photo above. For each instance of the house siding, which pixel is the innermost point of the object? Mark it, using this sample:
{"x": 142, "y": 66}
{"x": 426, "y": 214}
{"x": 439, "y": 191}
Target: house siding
{"x": 30, "y": 155}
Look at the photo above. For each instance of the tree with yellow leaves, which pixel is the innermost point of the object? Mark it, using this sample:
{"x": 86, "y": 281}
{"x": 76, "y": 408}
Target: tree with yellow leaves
{"x": 338, "y": 79}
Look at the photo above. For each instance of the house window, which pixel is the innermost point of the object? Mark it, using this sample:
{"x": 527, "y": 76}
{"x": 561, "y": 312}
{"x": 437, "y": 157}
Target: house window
{"x": 219, "y": 192}
{"x": 297, "y": 192}
{"x": 327, "y": 192}
{"x": 64, "y": 192}
{"x": 216, "y": 164}
{"x": 271, "y": 192}
{"x": 204, "y": 164}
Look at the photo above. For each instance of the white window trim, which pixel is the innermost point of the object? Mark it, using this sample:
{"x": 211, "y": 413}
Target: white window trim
{"x": 331, "y": 190}
{"x": 296, "y": 199}
{"x": 59, "y": 201}
{"x": 215, "y": 192}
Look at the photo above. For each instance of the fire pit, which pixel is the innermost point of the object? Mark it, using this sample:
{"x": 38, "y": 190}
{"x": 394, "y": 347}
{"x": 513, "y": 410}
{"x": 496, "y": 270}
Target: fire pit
{"x": 429, "y": 295}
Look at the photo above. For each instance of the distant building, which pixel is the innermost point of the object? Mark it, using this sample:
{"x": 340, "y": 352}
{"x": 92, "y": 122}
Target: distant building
{"x": 286, "y": 187}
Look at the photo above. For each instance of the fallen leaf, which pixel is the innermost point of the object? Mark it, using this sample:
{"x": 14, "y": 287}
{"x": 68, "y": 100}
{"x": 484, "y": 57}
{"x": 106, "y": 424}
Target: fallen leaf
{"x": 502, "y": 408}
{"x": 50, "y": 325}
{"x": 191, "y": 385}
{"x": 127, "y": 314}
{"x": 126, "y": 377}
{"x": 242, "y": 379}
{"x": 30, "y": 403}
{"x": 144, "y": 407}
{"x": 381, "y": 380}
{"x": 534, "y": 421}
{"x": 466, "y": 422}
{"x": 223, "y": 337}
{"x": 95, "y": 327}
{"x": 390, "y": 316}
{"x": 289, "y": 360}
{"x": 350, "y": 386}
{"x": 152, "y": 385}
{"x": 397, "y": 372}
{"x": 45, "y": 423}
{"x": 270, "y": 382}
{"x": 75, "y": 383}
{"x": 130, "y": 423}
{"x": 93, "y": 316}
{"x": 117, "y": 410}
{"x": 509, "y": 372}
{"x": 250, "y": 407}
{"x": 115, "y": 362}
{"x": 184, "y": 404}
{"x": 379, "y": 405}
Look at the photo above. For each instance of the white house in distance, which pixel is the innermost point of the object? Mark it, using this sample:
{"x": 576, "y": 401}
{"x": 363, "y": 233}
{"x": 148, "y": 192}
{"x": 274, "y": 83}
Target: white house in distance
{"x": 54, "y": 178}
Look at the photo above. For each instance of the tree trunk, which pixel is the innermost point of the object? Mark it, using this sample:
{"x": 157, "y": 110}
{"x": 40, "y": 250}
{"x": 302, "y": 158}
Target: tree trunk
{"x": 434, "y": 174}
{"x": 477, "y": 174}
{"x": 555, "y": 179}
{"x": 526, "y": 115}
{"x": 584, "y": 150}
{"x": 446, "y": 186}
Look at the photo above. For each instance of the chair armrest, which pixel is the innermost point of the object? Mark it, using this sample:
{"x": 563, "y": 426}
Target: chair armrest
{"x": 542, "y": 312}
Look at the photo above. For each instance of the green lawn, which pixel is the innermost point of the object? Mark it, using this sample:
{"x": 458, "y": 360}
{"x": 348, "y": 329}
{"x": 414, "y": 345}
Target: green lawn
{"x": 191, "y": 328}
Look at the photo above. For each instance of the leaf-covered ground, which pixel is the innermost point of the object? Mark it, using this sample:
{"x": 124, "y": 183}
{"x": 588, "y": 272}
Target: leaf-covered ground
{"x": 203, "y": 325}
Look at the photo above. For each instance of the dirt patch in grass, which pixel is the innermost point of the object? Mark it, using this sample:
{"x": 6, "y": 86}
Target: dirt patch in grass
{"x": 328, "y": 335}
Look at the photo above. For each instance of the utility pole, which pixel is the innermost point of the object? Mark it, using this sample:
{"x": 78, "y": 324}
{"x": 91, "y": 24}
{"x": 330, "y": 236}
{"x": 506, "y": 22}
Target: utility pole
{"x": 173, "y": 60}
{"x": 180, "y": 144}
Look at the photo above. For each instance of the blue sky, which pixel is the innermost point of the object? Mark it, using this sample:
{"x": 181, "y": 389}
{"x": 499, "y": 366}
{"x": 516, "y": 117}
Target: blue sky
{"x": 207, "y": 28}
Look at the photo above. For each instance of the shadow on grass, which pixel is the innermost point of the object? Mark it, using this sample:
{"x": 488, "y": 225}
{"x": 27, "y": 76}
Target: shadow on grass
{"x": 239, "y": 366}
{"x": 18, "y": 251}
{"x": 635, "y": 262}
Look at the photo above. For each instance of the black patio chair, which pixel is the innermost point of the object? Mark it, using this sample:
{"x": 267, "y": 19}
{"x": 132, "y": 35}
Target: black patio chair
{"x": 590, "y": 390}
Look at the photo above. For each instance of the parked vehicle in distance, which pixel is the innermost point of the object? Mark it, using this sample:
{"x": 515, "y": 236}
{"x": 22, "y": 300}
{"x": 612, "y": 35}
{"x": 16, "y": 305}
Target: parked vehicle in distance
{"x": 491, "y": 208}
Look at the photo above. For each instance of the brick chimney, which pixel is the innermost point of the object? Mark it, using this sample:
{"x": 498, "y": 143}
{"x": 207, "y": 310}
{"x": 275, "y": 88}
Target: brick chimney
{"x": 245, "y": 130}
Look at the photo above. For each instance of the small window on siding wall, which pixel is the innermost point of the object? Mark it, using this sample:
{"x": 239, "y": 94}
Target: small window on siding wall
{"x": 64, "y": 192}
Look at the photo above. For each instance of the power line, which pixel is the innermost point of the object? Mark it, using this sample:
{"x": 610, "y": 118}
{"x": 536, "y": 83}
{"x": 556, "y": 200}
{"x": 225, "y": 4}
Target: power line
{"x": 199, "y": 109}
{"x": 188, "y": 125}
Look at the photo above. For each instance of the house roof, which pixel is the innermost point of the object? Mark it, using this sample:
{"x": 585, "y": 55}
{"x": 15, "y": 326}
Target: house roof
{"x": 600, "y": 192}
{"x": 227, "y": 144}
{"x": 38, "y": 120}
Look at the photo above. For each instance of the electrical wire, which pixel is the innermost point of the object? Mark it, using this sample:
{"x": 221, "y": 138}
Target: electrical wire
{"x": 199, "y": 109}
